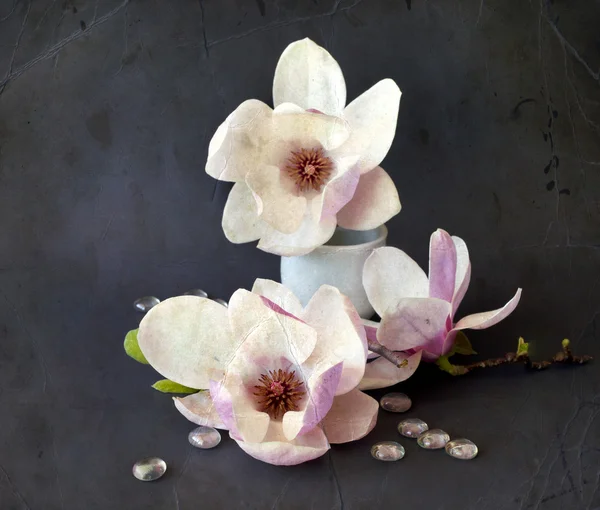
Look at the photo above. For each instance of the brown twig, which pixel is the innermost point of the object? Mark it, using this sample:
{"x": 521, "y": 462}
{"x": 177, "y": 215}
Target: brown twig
{"x": 392, "y": 356}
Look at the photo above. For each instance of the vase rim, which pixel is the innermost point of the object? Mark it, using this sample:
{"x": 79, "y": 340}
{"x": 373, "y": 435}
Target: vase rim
{"x": 382, "y": 236}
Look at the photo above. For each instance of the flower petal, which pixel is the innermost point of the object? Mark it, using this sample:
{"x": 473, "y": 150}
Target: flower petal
{"x": 278, "y": 294}
{"x": 275, "y": 449}
{"x": 307, "y": 75}
{"x": 375, "y": 201}
{"x": 371, "y": 328}
{"x": 187, "y": 339}
{"x": 351, "y": 417}
{"x": 235, "y": 147}
{"x": 320, "y": 391}
{"x": 380, "y": 373}
{"x": 336, "y": 194}
{"x": 241, "y": 223}
{"x": 277, "y": 204}
{"x": 415, "y": 322}
{"x": 309, "y": 129}
{"x": 484, "y": 320}
{"x": 199, "y": 409}
{"x": 341, "y": 335}
{"x": 390, "y": 275}
{"x": 372, "y": 117}
{"x": 442, "y": 265}
{"x": 463, "y": 272}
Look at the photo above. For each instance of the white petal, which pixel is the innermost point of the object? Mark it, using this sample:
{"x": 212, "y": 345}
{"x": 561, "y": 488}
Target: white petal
{"x": 187, "y": 339}
{"x": 381, "y": 373}
{"x": 309, "y": 129}
{"x": 442, "y": 265}
{"x": 352, "y": 417}
{"x": 485, "y": 320}
{"x": 307, "y": 75}
{"x": 199, "y": 409}
{"x": 279, "y": 294}
{"x": 463, "y": 272}
{"x": 390, "y": 275}
{"x": 241, "y": 223}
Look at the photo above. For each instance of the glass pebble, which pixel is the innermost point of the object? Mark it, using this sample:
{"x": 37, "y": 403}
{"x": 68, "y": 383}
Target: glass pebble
{"x": 196, "y": 292}
{"x": 433, "y": 439}
{"x": 146, "y": 303}
{"x": 387, "y": 451}
{"x": 149, "y": 469}
{"x": 204, "y": 437}
{"x": 221, "y": 302}
{"x": 462, "y": 449}
{"x": 412, "y": 427}
{"x": 395, "y": 402}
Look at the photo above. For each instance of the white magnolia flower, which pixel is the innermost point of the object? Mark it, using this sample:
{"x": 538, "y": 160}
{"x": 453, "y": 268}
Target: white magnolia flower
{"x": 311, "y": 163}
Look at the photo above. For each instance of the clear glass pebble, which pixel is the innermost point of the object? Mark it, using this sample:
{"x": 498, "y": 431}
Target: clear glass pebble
{"x": 395, "y": 402}
{"x": 462, "y": 449}
{"x": 221, "y": 302}
{"x": 196, "y": 292}
{"x": 412, "y": 427}
{"x": 433, "y": 439}
{"x": 146, "y": 303}
{"x": 204, "y": 437}
{"x": 149, "y": 469}
{"x": 388, "y": 451}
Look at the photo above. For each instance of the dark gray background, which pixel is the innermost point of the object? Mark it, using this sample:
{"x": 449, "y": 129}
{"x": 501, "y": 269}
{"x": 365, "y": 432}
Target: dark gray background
{"x": 106, "y": 110}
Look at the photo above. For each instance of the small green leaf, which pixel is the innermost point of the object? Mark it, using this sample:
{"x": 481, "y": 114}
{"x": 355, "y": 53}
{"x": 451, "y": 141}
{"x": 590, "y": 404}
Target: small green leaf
{"x": 444, "y": 363}
{"x": 132, "y": 348}
{"x": 166, "y": 386}
{"x": 522, "y": 348}
{"x": 462, "y": 345}
{"x": 566, "y": 343}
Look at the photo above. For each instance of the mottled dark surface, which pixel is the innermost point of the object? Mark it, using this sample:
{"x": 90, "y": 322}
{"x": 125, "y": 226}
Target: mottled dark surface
{"x": 106, "y": 110}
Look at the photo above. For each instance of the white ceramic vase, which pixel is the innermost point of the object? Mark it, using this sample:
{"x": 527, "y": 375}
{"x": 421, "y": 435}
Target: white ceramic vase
{"x": 339, "y": 263}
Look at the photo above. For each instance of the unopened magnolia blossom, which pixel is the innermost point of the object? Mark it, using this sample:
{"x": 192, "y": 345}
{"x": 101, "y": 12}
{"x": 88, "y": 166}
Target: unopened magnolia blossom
{"x": 281, "y": 378}
{"x": 417, "y": 313}
{"x": 311, "y": 163}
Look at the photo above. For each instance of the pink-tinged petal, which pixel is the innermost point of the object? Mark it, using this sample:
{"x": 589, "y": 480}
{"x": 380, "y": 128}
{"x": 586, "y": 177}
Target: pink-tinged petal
{"x": 372, "y": 117}
{"x": 375, "y": 201}
{"x": 390, "y": 275}
{"x": 307, "y": 129}
{"x": 265, "y": 332}
{"x": 341, "y": 335}
{"x": 241, "y": 223}
{"x": 187, "y": 339}
{"x": 199, "y": 409}
{"x": 277, "y": 204}
{"x": 484, "y": 320}
{"x": 222, "y": 402}
{"x": 276, "y": 450}
{"x": 338, "y": 192}
{"x": 235, "y": 147}
{"x": 320, "y": 391}
{"x": 307, "y": 75}
{"x": 380, "y": 373}
{"x": 442, "y": 266}
{"x": 414, "y": 322}
{"x": 278, "y": 294}
{"x": 463, "y": 272}
{"x": 275, "y": 307}
{"x": 351, "y": 417}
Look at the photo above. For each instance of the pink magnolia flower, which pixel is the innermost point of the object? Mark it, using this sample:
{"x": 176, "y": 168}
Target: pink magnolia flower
{"x": 311, "y": 163}
{"x": 417, "y": 313}
{"x": 282, "y": 378}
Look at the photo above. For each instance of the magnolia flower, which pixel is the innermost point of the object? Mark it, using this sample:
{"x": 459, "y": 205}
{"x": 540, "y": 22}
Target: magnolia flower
{"x": 417, "y": 313}
{"x": 311, "y": 163}
{"x": 282, "y": 379}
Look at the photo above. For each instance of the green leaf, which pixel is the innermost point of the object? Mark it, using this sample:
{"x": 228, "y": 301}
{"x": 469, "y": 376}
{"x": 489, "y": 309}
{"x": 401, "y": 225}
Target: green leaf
{"x": 462, "y": 345}
{"x": 132, "y": 348}
{"x": 166, "y": 386}
{"x": 444, "y": 363}
{"x": 522, "y": 348}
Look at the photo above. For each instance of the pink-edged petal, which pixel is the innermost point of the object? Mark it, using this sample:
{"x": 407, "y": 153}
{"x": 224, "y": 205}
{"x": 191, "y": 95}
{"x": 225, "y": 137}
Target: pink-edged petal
{"x": 235, "y": 147}
{"x": 277, "y": 204}
{"x": 484, "y": 320}
{"x": 241, "y": 223}
{"x": 375, "y": 201}
{"x": 414, "y": 322}
{"x": 278, "y": 294}
{"x": 463, "y": 272}
{"x": 372, "y": 117}
{"x": 187, "y": 339}
{"x": 390, "y": 275}
{"x": 352, "y": 416}
{"x": 277, "y": 450}
{"x": 199, "y": 409}
{"x": 307, "y": 75}
{"x": 320, "y": 391}
{"x": 380, "y": 373}
{"x": 337, "y": 193}
{"x": 442, "y": 265}
{"x": 265, "y": 332}
{"x": 341, "y": 335}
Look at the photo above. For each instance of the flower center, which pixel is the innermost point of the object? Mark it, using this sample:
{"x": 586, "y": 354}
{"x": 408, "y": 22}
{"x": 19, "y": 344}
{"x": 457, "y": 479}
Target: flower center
{"x": 278, "y": 392}
{"x": 309, "y": 168}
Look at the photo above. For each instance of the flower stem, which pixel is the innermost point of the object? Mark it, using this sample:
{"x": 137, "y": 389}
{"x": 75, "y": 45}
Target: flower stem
{"x": 394, "y": 357}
